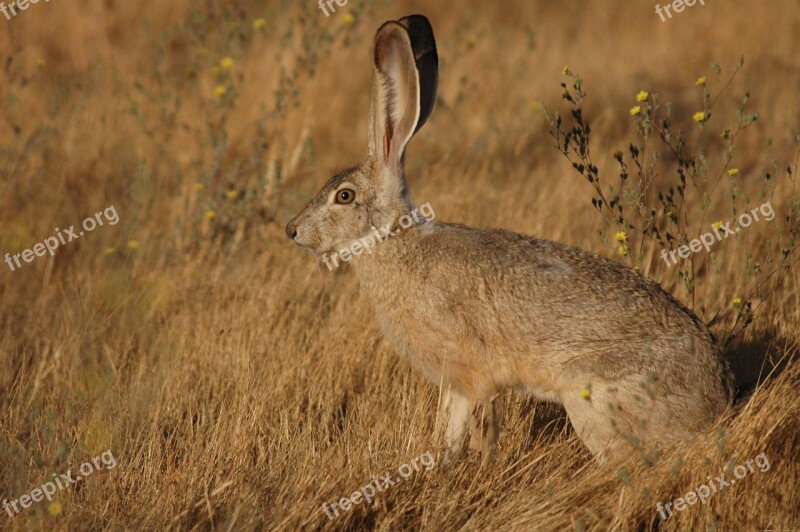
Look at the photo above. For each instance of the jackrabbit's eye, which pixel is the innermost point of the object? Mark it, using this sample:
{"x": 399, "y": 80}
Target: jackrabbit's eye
{"x": 345, "y": 196}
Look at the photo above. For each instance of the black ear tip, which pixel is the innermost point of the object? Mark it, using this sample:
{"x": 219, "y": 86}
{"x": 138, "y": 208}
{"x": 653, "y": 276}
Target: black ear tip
{"x": 417, "y": 21}
{"x": 421, "y": 33}
{"x": 423, "y": 45}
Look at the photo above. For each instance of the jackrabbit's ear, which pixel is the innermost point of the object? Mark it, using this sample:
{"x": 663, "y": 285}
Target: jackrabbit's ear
{"x": 406, "y": 76}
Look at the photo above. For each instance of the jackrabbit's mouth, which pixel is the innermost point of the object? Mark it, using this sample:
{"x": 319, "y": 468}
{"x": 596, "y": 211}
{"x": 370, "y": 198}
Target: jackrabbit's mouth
{"x": 307, "y": 249}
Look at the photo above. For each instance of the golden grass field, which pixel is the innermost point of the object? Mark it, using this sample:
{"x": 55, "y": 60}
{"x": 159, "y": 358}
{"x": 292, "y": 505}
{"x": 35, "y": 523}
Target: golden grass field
{"x": 238, "y": 382}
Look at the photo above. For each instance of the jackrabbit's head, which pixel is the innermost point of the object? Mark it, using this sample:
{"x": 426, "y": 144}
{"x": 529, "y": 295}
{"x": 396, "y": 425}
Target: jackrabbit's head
{"x": 374, "y": 193}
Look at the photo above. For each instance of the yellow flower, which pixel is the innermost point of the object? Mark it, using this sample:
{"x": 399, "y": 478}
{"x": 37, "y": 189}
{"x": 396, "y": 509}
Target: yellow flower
{"x": 586, "y": 393}
{"x": 622, "y": 250}
{"x": 636, "y": 110}
{"x": 717, "y": 225}
{"x": 110, "y": 251}
{"x": 259, "y": 24}
{"x": 700, "y": 82}
{"x": 133, "y": 244}
{"x": 566, "y": 71}
{"x": 671, "y": 216}
{"x": 199, "y": 186}
{"x": 231, "y": 194}
{"x": 636, "y": 268}
{"x": 733, "y": 172}
{"x": 620, "y": 236}
{"x": 210, "y": 215}
{"x": 40, "y": 63}
{"x": 348, "y": 19}
{"x": 471, "y": 41}
{"x": 642, "y": 96}
{"x": 54, "y": 508}
{"x": 737, "y": 300}
{"x": 700, "y": 117}
{"x": 220, "y": 91}
{"x": 226, "y": 63}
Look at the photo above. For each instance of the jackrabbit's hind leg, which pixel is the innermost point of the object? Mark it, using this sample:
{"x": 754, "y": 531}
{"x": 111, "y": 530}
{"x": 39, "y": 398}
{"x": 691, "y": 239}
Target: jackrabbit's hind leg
{"x": 591, "y": 421}
{"x": 615, "y": 418}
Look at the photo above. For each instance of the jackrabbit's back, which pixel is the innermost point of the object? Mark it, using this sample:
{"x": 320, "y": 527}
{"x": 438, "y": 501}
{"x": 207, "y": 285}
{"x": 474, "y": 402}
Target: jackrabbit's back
{"x": 514, "y": 305}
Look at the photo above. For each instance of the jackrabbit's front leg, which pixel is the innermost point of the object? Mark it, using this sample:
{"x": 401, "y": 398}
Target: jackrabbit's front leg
{"x": 485, "y": 425}
{"x": 454, "y": 413}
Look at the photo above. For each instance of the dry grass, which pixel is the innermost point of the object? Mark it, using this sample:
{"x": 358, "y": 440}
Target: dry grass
{"x": 238, "y": 383}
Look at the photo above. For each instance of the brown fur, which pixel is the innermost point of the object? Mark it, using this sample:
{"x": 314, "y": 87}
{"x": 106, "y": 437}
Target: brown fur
{"x": 480, "y": 311}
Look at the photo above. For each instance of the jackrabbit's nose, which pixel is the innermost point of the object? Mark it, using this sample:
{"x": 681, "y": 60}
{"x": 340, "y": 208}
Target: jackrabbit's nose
{"x": 291, "y": 230}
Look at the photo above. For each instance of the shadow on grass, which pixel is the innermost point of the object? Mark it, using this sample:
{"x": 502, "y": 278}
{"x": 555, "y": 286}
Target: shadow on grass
{"x": 755, "y": 359}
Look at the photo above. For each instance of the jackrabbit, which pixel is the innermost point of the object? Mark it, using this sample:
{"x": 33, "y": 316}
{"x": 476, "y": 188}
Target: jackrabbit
{"x": 479, "y": 311}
